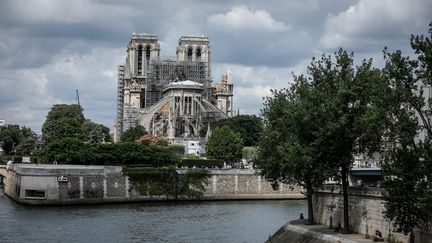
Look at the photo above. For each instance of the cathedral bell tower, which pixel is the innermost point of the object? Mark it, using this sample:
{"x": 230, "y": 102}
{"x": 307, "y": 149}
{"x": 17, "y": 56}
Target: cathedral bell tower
{"x": 142, "y": 50}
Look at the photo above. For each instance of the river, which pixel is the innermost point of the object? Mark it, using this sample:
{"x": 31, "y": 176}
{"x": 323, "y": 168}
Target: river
{"x": 218, "y": 221}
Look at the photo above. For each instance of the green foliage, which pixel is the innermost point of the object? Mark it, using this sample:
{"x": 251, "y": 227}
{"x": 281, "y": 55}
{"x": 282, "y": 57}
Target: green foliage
{"x": 201, "y": 163}
{"x": 69, "y": 138}
{"x": 319, "y": 124}
{"x": 74, "y": 151}
{"x": 192, "y": 183}
{"x": 289, "y": 146}
{"x": 4, "y": 159}
{"x": 67, "y": 121}
{"x": 408, "y": 162}
{"x": 249, "y": 153}
{"x": 133, "y": 134}
{"x": 17, "y": 140}
{"x": 166, "y": 181}
{"x": 225, "y": 144}
{"x": 63, "y": 121}
{"x": 178, "y": 149}
{"x": 68, "y": 150}
{"x": 249, "y": 127}
{"x": 95, "y": 133}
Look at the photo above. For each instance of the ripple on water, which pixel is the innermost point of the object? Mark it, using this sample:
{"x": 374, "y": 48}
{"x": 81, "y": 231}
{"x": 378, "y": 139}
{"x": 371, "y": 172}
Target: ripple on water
{"x": 232, "y": 221}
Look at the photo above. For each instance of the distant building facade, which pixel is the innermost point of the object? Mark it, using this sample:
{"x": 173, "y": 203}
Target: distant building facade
{"x": 171, "y": 97}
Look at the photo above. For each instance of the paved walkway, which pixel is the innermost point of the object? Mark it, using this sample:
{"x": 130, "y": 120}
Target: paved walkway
{"x": 325, "y": 230}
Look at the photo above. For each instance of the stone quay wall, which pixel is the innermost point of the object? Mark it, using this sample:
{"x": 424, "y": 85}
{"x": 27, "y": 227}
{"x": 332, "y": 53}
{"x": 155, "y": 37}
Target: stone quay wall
{"x": 366, "y": 208}
{"x": 77, "y": 184}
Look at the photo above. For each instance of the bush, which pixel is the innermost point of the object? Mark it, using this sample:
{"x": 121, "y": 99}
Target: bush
{"x": 4, "y": 159}
{"x": 73, "y": 151}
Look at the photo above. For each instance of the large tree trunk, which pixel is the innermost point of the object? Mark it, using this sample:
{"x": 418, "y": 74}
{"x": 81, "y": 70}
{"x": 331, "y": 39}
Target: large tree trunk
{"x": 412, "y": 236}
{"x": 309, "y": 193}
{"x": 344, "y": 173}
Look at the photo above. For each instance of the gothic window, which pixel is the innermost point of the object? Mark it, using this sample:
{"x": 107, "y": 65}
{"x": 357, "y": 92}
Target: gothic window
{"x": 198, "y": 54}
{"x": 148, "y": 53}
{"x": 142, "y": 99}
{"x": 189, "y": 54}
{"x": 139, "y": 57}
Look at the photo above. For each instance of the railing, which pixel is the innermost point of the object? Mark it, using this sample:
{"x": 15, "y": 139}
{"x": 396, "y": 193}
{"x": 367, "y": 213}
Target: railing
{"x": 367, "y": 164}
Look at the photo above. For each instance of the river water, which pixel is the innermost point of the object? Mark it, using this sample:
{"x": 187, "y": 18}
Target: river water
{"x": 218, "y": 221}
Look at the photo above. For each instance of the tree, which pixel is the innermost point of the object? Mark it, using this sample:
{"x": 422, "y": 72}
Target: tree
{"x": 249, "y": 127}
{"x": 178, "y": 149}
{"x": 68, "y": 150}
{"x": 67, "y": 135}
{"x": 133, "y": 134}
{"x": 407, "y": 166}
{"x": 354, "y": 118}
{"x": 225, "y": 144}
{"x": 95, "y": 133}
{"x": 63, "y": 121}
{"x": 325, "y": 120}
{"x": 153, "y": 140}
{"x": 27, "y": 145}
{"x": 288, "y": 150}
{"x": 16, "y": 139}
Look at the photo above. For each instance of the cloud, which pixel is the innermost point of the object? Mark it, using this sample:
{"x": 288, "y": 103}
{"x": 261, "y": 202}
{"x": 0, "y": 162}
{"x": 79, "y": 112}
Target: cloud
{"x": 24, "y": 97}
{"x": 251, "y": 84}
{"x": 371, "y": 24}
{"x": 65, "y": 12}
{"x": 244, "y": 18}
{"x": 49, "y": 48}
{"x": 181, "y": 24}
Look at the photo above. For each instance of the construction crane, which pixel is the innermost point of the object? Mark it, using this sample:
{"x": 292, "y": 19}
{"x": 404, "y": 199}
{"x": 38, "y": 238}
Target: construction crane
{"x": 77, "y": 97}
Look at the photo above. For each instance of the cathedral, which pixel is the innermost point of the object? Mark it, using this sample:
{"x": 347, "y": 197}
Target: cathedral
{"x": 171, "y": 97}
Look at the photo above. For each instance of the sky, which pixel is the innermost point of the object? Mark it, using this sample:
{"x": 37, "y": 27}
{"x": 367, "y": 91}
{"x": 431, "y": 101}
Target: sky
{"x": 50, "y": 48}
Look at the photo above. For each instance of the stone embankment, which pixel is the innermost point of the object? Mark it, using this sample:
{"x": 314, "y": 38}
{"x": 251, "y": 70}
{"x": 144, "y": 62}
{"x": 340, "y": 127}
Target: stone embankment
{"x": 77, "y": 184}
{"x": 298, "y": 231}
{"x": 366, "y": 207}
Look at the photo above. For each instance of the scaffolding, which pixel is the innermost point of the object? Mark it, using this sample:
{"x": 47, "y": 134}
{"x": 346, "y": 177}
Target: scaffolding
{"x": 162, "y": 72}
{"x": 120, "y": 101}
{"x": 141, "y": 97}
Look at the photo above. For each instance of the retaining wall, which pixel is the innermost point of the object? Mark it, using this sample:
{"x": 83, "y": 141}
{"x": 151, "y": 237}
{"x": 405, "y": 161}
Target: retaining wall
{"x": 76, "y": 184}
{"x": 366, "y": 208}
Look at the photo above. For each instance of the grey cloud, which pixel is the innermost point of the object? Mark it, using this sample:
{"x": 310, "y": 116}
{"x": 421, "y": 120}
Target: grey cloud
{"x": 369, "y": 25}
{"x": 257, "y": 49}
{"x": 48, "y": 49}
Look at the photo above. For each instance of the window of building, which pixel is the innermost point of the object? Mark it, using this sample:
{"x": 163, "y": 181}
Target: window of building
{"x": 148, "y": 53}
{"x": 189, "y": 54}
{"x": 35, "y": 193}
{"x": 198, "y": 54}
{"x": 142, "y": 99}
{"x": 139, "y": 57}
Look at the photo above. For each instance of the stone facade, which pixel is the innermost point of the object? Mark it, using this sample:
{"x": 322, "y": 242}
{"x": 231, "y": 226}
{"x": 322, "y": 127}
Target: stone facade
{"x": 170, "y": 97}
{"x": 365, "y": 209}
{"x": 67, "y": 184}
